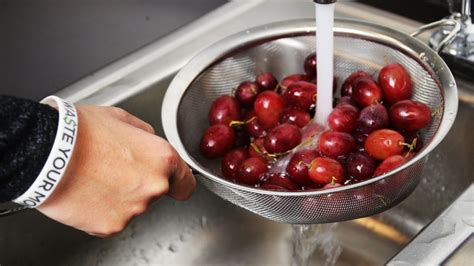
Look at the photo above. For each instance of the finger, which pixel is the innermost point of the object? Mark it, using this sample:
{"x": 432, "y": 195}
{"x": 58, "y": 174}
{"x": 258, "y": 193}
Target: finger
{"x": 182, "y": 182}
{"x": 132, "y": 120}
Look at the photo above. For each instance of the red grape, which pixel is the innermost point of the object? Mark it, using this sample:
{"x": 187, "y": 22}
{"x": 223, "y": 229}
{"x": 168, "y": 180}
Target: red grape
{"x": 242, "y": 138}
{"x": 266, "y": 81}
{"x": 384, "y": 143}
{"x": 389, "y": 164}
{"x": 298, "y": 165}
{"x": 295, "y": 116}
{"x": 287, "y": 81}
{"x": 395, "y": 83}
{"x": 217, "y": 140}
{"x": 335, "y": 144}
{"x": 224, "y": 110}
{"x": 279, "y": 182}
{"x": 246, "y": 92}
{"x": 373, "y": 117}
{"x": 282, "y": 138}
{"x": 346, "y": 100}
{"x": 310, "y": 65}
{"x": 366, "y": 92}
{"x": 231, "y": 162}
{"x": 268, "y": 107}
{"x": 326, "y": 170}
{"x": 410, "y": 139}
{"x": 360, "y": 137}
{"x": 301, "y": 94}
{"x": 346, "y": 89}
{"x": 252, "y": 126}
{"x": 257, "y": 149}
{"x": 251, "y": 171}
{"x": 360, "y": 165}
{"x": 343, "y": 118}
{"x": 410, "y": 115}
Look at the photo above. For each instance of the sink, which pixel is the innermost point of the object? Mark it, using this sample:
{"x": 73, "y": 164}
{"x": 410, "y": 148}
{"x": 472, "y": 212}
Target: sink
{"x": 207, "y": 230}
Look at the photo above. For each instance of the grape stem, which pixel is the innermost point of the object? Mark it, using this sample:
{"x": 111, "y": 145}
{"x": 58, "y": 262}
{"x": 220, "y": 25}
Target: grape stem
{"x": 437, "y": 111}
{"x": 240, "y": 123}
{"x": 411, "y": 147}
{"x": 275, "y": 156}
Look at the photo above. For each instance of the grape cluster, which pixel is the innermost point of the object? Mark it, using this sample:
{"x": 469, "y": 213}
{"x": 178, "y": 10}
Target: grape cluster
{"x": 373, "y": 129}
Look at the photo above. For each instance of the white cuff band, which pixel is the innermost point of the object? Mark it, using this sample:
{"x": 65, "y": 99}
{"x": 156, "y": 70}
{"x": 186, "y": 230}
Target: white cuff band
{"x": 58, "y": 158}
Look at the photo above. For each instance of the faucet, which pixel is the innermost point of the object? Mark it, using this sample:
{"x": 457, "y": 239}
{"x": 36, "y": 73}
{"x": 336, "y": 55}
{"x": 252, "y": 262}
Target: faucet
{"x": 459, "y": 53}
{"x": 324, "y": 1}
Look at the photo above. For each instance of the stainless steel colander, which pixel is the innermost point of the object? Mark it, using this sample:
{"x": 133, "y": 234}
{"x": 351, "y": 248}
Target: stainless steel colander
{"x": 281, "y": 48}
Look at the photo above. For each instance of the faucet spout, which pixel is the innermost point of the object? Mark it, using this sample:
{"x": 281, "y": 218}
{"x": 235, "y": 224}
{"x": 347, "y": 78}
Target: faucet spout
{"x": 324, "y": 1}
{"x": 462, "y": 7}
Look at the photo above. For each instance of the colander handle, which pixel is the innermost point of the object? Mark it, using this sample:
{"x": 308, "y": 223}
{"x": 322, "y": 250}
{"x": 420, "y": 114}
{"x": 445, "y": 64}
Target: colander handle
{"x": 440, "y": 23}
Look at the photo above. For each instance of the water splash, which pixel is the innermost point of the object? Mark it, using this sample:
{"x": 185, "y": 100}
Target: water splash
{"x": 173, "y": 248}
{"x": 158, "y": 245}
{"x": 307, "y": 239}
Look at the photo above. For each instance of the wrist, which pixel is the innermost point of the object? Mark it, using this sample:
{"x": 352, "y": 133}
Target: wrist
{"x": 58, "y": 158}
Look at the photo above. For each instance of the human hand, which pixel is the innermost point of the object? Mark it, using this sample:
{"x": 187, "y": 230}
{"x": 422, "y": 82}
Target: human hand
{"x": 117, "y": 168}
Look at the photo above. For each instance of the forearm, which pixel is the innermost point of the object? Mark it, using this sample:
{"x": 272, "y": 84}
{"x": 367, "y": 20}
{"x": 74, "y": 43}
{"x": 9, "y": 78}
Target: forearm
{"x": 27, "y": 133}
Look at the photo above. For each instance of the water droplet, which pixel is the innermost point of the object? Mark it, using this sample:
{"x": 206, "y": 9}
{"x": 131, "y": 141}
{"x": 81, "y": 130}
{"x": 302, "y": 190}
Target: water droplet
{"x": 203, "y": 221}
{"x": 173, "y": 248}
{"x": 143, "y": 256}
{"x": 182, "y": 237}
{"x": 423, "y": 57}
{"x": 247, "y": 31}
{"x": 158, "y": 245}
{"x": 359, "y": 197}
{"x": 443, "y": 188}
{"x": 276, "y": 198}
{"x": 102, "y": 251}
{"x": 451, "y": 84}
{"x": 469, "y": 221}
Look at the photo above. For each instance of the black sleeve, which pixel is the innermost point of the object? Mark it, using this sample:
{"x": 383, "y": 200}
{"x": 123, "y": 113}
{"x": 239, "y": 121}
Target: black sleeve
{"x": 27, "y": 132}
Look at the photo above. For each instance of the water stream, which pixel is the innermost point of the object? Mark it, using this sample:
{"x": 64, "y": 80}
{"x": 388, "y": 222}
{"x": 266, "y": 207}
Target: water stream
{"x": 325, "y": 61}
{"x": 310, "y": 241}
{"x": 325, "y": 75}
{"x": 316, "y": 242}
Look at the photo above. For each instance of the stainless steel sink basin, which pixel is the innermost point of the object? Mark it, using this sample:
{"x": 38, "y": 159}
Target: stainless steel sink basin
{"x": 207, "y": 230}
